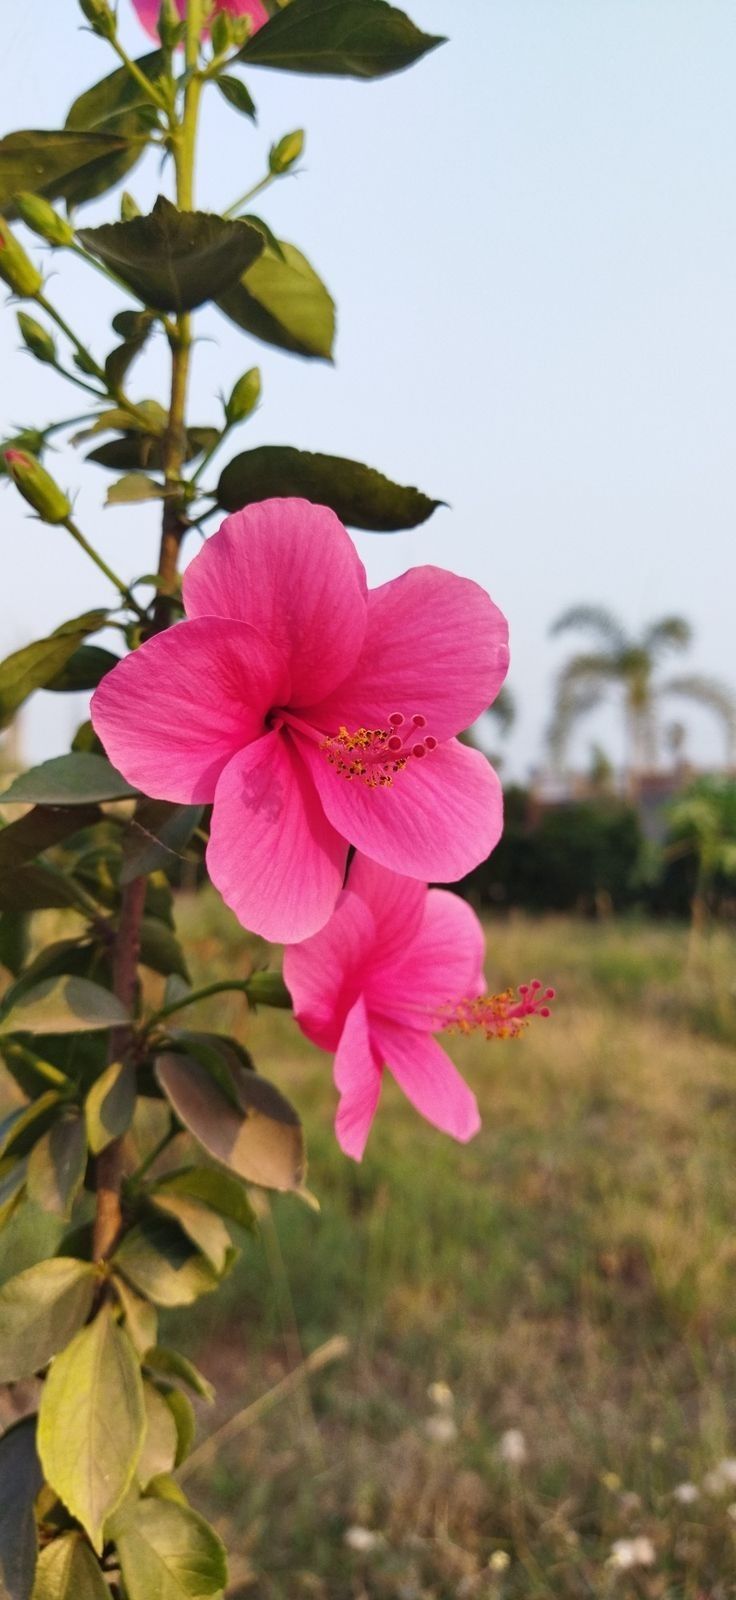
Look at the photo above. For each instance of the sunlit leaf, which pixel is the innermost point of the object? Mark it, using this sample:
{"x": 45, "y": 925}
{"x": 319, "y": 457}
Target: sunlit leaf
{"x": 40, "y": 1310}
{"x": 168, "y": 1552}
{"x": 261, "y": 1139}
{"x": 282, "y": 301}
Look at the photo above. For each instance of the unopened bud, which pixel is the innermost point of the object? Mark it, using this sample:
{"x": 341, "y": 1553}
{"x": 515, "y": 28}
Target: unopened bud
{"x": 16, "y": 268}
{"x": 37, "y": 486}
{"x": 245, "y": 396}
{"x": 222, "y": 33}
{"x": 288, "y": 150}
{"x": 37, "y": 339}
{"x": 171, "y": 29}
{"x": 100, "y": 16}
{"x": 129, "y": 207}
{"x": 86, "y": 364}
{"x": 43, "y": 219}
{"x": 268, "y": 989}
{"x": 242, "y": 28}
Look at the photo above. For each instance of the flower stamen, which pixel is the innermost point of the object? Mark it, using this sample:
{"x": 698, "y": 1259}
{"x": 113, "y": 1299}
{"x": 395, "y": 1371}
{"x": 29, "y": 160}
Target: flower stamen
{"x": 375, "y": 755}
{"x": 499, "y": 1016}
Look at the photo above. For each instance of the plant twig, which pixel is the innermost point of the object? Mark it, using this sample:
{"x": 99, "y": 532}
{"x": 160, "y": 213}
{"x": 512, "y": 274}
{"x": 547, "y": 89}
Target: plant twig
{"x": 335, "y": 1349}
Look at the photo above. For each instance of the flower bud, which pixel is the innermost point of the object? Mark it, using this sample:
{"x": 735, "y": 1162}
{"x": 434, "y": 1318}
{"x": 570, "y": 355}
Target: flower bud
{"x": 245, "y": 396}
{"x": 171, "y": 29}
{"x": 129, "y": 207}
{"x": 86, "y": 364}
{"x": 43, "y": 219}
{"x": 16, "y": 268}
{"x": 222, "y": 33}
{"x": 37, "y": 339}
{"x": 37, "y": 486}
{"x": 288, "y": 150}
{"x": 100, "y": 16}
{"x": 28, "y": 439}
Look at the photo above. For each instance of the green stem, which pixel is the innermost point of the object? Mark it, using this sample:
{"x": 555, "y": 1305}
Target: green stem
{"x": 151, "y": 92}
{"x": 250, "y": 194}
{"x": 206, "y": 459}
{"x": 226, "y": 986}
{"x": 69, "y": 333}
{"x": 112, "y": 577}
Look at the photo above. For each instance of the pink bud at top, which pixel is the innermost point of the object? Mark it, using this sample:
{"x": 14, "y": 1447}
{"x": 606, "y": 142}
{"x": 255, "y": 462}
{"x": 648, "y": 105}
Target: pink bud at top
{"x": 149, "y": 10}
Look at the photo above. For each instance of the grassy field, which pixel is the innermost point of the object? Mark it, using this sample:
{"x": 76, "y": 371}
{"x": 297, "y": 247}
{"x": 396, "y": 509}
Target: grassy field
{"x": 570, "y": 1275}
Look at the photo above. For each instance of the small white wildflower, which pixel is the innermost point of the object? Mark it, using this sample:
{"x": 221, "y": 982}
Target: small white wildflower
{"x": 722, "y": 1477}
{"x": 512, "y": 1447}
{"x": 686, "y": 1493}
{"x": 630, "y": 1502}
{"x": 441, "y": 1429}
{"x": 362, "y": 1540}
{"x": 441, "y": 1396}
{"x": 626, "y": 1553}
{"x": 500, "y": 1561}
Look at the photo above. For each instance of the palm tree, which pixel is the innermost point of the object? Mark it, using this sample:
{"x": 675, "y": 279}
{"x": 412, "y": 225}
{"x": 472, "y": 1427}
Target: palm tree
{"x": 631, "y": 666}
{"x": 704, "y": 820}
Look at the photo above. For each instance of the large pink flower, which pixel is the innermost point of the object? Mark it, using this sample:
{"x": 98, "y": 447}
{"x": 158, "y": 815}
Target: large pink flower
{"x": 149, "y": 11}
{"x": 395, "y": 964}
{"x": 314, "y": 714}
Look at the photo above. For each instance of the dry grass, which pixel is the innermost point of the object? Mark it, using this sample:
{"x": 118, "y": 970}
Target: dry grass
{"x": 570, "y": 1274}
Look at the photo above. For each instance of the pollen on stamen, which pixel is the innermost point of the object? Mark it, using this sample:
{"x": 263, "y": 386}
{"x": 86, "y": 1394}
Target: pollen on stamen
{"x": 375, "y": 755}
{"x": 499, "y": 1016}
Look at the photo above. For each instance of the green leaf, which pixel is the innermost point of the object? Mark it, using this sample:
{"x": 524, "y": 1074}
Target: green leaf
{"x": 91, "y": 1423}
{"x": 38, "y": 664}
{"x": 65, "y": 1005}
{"x": 110, "y": 1104}
{"x": 35, "y": 888}
{"x": 21, "y": 1479}
{"x": 236, "y": 94}
{"x": 262, "y": 1140}
{"x": 40, "y": 1310}
{"x": 13, "y": 939}
{"x": 75, "y": 780}
{"x": 160, "y": 1262}
{"x": 185, "y": 1422}
{"x": 20, "y": 1129}
{"x": 282, "y": 301}
{"x": 133, "y": 487}
{"x": 67, "y": 1570}
{"x": 362, "y": 497}
{"x": 161, "y": 1442}
{"x": 174, "y": 1365}
{"x": 218, "y": 1190}
{"x": 175, "y": 260}
{"x": 343, "y": 38}
{"x": 83, "y": 670}
{"x": 12, "y": 1184}
{"x": 134, "y": 328}
{"x": 40, "y": 829}
{"x": 160, "y": 949}
{"x": 156, "y": 837}
{"x": 141, "y": 1321}
{"x": 57, "y": 1165}
{"x": 116, "y": 93}
{"x": 168, "y": 1552}
{"x": 199, "y": 1223}
{"x": 145, "y": 450}
{"x": 64, "y": 163}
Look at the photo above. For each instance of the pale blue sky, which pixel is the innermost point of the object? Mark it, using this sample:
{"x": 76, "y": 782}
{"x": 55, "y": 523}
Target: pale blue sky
{"x": 531, "y": 237}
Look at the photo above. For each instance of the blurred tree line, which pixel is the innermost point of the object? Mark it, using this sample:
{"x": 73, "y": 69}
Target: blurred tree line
{"x": 592, "y": 856}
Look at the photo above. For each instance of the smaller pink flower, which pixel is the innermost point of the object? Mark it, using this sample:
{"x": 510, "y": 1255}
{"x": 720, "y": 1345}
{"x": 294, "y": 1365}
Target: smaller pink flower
{"x": 149, "y": 11}
{"x": 396, "y": 963}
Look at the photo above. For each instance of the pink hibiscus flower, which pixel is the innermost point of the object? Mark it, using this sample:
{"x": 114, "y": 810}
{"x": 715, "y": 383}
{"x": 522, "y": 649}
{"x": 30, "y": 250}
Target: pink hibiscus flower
{"x": 396, "y": 963}
{"x": 149, "y": 11}
{"x": 315, "y": 715}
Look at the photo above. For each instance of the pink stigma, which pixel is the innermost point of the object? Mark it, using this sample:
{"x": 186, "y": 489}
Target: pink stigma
{"x": 375, "y": 755}
{"x": 500, "y": 1016}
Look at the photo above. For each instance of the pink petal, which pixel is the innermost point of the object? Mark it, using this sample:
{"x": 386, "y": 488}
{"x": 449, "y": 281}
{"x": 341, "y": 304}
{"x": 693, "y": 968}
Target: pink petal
{"x": 273, "y": 855}
{"x": 174, "y": 713}
{"x": 357, "y": 1072}
{"x": 428, "y": 1078}
{"x": 441, "y": 964}
{"x": 435, "y": 644}
{"x": 324, "y": 974}
{"x": 148, "y": 12}
{"x": 290, "y": 569}
{"x": 397, "y": 904}
{"x": 439, "y": 819}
